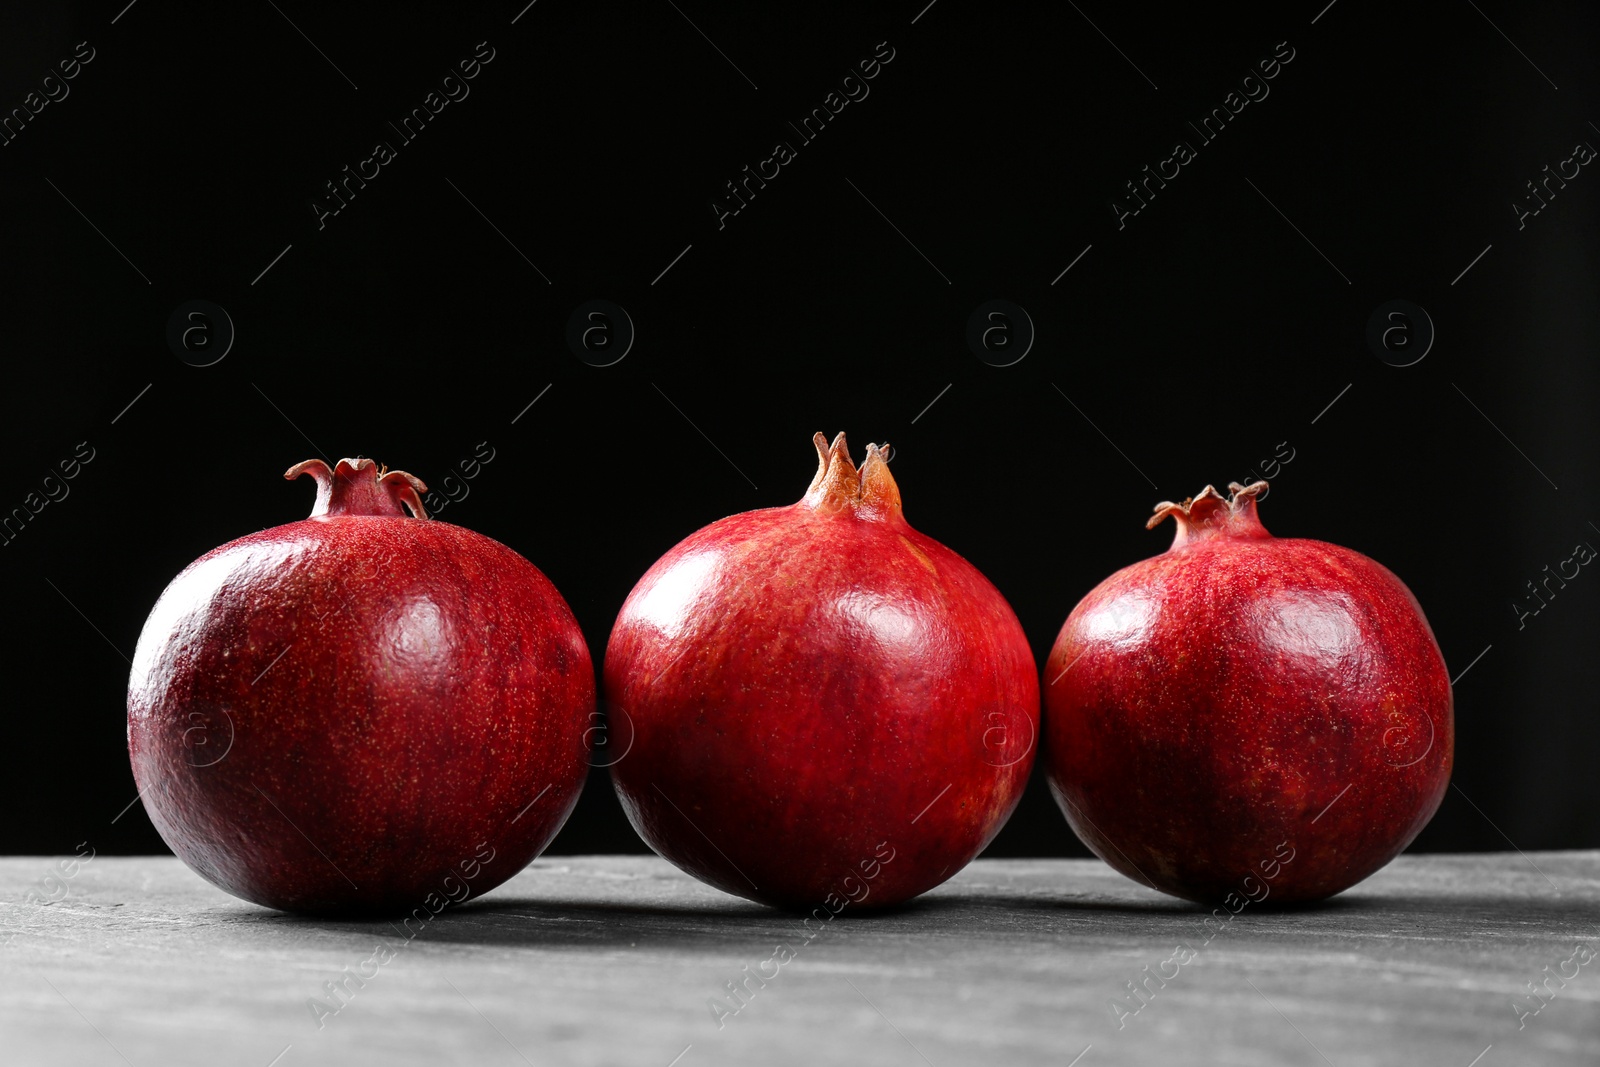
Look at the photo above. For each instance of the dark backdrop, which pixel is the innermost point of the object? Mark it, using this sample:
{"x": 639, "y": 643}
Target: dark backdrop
{"x": 1221, "y": 327}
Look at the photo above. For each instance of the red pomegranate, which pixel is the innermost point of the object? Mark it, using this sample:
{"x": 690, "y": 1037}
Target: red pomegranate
{"x": 361, "y": 711}
{"x": 825, "y": 705}
{"x": 1246, "y": 717}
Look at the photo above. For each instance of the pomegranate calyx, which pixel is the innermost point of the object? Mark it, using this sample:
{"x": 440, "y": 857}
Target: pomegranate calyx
{"x": 839, "y": 486}
{"x": 1210, "y": 514}
{"x": 361, "y": 487}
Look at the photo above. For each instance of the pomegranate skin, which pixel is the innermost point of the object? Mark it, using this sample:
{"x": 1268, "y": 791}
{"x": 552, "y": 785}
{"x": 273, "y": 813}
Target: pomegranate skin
{"x": 360, "y": 712}
{"x": 1247, "y": 718}
{"x": 826, "y": 706}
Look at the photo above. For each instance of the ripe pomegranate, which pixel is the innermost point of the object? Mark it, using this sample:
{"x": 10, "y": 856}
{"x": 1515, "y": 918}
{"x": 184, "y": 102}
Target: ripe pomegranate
{"x": 825, "y": 704}
{"x": 361, "y": 711}
{"x": 1243, "y": 716}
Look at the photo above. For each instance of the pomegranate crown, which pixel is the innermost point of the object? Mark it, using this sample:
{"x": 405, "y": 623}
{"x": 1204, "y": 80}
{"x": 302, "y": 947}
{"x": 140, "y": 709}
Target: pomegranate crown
{"x": 869, "y": 492}
{"x": 1211, "y": 515}
{"x": 361, "y": 487}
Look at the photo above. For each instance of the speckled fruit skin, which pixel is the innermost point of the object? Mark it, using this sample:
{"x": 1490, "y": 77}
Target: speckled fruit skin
{"x": 348, "y": 713}
{"x": 1240, "y": 699}
{"x": 826, "y": 706}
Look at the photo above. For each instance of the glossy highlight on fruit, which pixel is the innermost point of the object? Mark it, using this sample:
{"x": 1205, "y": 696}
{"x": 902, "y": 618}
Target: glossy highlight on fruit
{"x": 1264, "y": 717}
{"x": 826, "y": 706}
{"x": 364, "y": 711}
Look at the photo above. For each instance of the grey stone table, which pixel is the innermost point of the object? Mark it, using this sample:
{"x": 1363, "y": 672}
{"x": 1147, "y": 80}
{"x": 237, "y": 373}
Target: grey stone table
{"x": 624, "y": 960}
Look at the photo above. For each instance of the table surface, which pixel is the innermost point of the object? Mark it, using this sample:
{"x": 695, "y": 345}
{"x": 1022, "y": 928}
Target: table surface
{"x": 618, "y": 960}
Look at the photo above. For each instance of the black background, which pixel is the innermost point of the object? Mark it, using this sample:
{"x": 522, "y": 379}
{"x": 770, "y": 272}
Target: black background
{"x": 1221, "y": 320}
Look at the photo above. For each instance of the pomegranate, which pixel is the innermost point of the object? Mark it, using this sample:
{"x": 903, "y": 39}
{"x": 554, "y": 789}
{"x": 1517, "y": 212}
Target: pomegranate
{"x": 363, "y": 711}
{"x": 1244, "y": 716}
{"x": 825, "y": 705}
